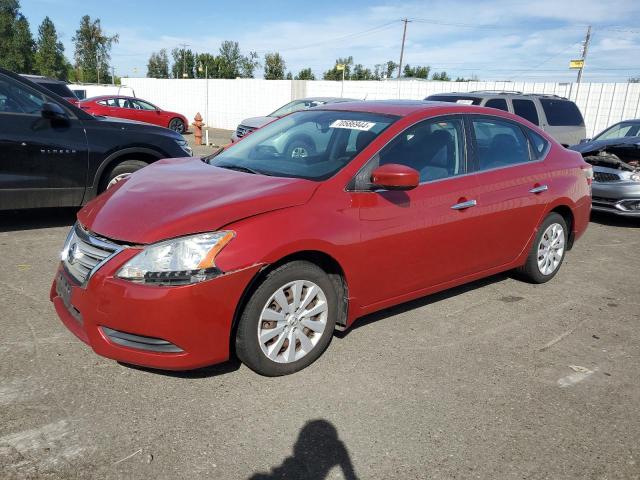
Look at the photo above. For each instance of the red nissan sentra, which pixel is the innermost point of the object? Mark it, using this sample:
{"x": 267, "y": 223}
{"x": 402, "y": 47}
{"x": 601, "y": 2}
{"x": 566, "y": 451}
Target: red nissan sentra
{"x": 264, "y": 251}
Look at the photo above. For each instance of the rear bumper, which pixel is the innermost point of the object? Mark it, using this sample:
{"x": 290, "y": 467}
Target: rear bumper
{"x": 172, "y": 328}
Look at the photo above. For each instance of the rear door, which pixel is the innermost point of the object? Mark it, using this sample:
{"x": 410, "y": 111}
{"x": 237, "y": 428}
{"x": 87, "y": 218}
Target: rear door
{"x": 511, "y": 187}
{"x": 43, "y": 163}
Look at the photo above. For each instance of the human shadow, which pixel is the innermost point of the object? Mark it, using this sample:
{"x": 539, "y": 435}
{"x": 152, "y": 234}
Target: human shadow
{"x": 29, "y": 219}
{"x": 317, "y": 450}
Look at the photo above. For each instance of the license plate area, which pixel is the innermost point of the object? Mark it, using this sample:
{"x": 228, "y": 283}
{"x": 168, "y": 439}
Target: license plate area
{"x": 63, "y": 289}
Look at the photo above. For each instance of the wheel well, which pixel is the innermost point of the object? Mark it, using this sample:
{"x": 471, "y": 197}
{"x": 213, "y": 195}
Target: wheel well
{"x": 566, "y": 213}
{"x": 326, "y": 262}
{"x": 143, "y": 157}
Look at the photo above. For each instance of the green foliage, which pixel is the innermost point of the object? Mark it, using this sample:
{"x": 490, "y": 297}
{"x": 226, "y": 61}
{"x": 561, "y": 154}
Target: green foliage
{"x": 416, "y": 72}
{"x": 158, "y": 65}
{"x": 335, "y": 74}
{"x": 274, "y": 66}
{"x": 361, "y": 73}
{"x": 230, "y": 59}
{"x": 49, "y": 57}
{"x": 305, "y": 74}
{"x": 184, "y": 63}
{"x": 92, "y": 51}
{"x": 207, "y": 65}
{"x": 391, "y": 67}
{"x": 442, "y": 76}
{"x": 17, "y": 48}
{"x": 289, "y": 76}
{"x": 249, "y": 64}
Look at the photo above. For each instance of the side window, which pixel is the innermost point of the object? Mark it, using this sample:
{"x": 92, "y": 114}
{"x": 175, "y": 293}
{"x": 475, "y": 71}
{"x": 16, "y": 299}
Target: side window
{"x": 499, "y": 144}
{"x": 499, "y": 103}
{"x": 435, "y": 148}
{"x": 561, "y": 112}
{"x": 539, "y": 144}
{"x": 123, "y": 103}
{"x": 526, "y": 109}
{"x": 14, "y": 98}
{"x": 140, "y": 105}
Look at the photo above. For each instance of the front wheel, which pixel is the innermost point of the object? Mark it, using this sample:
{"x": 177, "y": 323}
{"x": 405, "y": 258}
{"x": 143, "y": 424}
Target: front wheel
{"x": 177, "y": 125}
{"x": 119, "y": 172}
{"x": 548, "y": 250}
{"x": 288, "y": 321}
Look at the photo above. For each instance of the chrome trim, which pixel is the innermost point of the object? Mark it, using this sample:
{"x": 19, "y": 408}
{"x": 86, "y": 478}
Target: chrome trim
{"x": 539, "y": 189}
{"x": 464, "y": 205}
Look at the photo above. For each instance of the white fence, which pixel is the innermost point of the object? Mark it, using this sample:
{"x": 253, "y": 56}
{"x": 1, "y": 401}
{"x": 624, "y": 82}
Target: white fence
{"x": 224, "y": 103}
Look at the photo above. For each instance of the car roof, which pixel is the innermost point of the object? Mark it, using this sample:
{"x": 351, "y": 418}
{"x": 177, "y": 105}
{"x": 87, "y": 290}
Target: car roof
{"x": 327, "y": 99}
{"x": 398, "y": 107}
{"x": 42, "y": 79}
{"x": 497, "y": 93}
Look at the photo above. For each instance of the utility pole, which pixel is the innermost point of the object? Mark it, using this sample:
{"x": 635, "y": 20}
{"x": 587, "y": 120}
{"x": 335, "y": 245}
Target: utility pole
{"x": 404, "y": 36}
{"x": 585, "y": 49}
{"x": 113, "y": 75}
{"x": 98, "y": 66}
{"x": 184, "y": 65}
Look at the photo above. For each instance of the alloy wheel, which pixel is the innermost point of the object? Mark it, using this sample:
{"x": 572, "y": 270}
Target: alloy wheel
{"x": 117, "y": 179}
{"x": 551, "y": 249}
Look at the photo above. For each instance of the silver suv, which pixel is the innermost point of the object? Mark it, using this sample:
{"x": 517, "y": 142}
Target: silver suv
{"x": 557, "y": 116}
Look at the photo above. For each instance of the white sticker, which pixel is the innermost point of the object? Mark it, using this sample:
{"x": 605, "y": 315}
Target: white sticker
{"x": 353, "y": 124}
{"x": 464, "y": 102}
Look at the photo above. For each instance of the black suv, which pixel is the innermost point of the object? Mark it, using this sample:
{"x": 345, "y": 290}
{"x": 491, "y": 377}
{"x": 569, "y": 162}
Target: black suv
{"x": 52, "y": 154}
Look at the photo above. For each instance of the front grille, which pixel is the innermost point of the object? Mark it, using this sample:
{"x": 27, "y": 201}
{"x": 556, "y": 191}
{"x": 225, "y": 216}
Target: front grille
{"x": 140, "y": 342}
{"x": 243, "y": 130}
{"x": 84, "y": 253}
{"x": 605, "y": 177}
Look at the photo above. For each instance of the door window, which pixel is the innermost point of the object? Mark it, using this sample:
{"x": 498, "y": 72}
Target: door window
{"x": 499, "y": 103}
{"x": 15, "y": 98}
{"x": 526, "y": 109}
{"x": 499, "y": 144}
{"x": 435, "y": 148}
{"x": 141, "y": 105}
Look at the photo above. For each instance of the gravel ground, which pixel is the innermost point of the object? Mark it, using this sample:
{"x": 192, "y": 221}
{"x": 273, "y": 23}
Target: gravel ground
{"x": 496, "y": 379}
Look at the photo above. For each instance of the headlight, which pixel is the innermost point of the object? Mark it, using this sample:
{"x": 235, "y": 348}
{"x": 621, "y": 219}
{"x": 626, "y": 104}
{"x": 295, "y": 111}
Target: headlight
{"x": 184, "y": 145}
{"x": 635, "y": 177}
{"x": 180, "y": 261}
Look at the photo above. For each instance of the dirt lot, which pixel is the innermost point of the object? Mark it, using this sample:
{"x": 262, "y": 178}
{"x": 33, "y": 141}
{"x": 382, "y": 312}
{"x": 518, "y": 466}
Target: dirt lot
{"x": 497, "y": 379}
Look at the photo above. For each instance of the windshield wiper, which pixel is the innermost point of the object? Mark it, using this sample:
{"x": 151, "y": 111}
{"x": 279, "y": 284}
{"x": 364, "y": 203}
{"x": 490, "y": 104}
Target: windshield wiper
{"x": 239, "y": 168}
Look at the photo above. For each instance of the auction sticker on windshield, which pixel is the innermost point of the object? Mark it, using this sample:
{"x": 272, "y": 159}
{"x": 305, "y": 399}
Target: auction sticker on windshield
{"x": 353, "y": 124}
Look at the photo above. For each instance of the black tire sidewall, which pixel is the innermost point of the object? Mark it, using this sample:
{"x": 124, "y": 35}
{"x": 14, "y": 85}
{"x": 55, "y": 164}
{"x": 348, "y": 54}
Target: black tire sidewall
{"x": 531, "y": 268}
{"x": 247, "y": 344}
{"x": 176, "y": 121}
{"x": 127, "y": 166}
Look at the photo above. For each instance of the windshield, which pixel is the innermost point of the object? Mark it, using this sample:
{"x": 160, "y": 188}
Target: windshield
{"x": 296, "y": 106}
{"x": 313, "y": 144}
{"x": 620, "y": 131}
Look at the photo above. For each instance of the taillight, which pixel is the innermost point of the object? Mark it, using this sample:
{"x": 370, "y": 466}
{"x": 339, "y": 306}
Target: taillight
{"x": 588, "y": 173}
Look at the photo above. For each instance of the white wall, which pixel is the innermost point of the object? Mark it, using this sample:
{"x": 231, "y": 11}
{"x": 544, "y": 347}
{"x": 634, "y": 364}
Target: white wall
{"x": 230, "y": 101}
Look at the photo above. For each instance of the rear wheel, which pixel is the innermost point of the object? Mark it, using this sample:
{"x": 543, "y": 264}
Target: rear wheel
{"x": 119, "y": 172}
{"x": 548, "y": 250}
{"x": 288, "y": 321}
{"x": 177, "y": 125}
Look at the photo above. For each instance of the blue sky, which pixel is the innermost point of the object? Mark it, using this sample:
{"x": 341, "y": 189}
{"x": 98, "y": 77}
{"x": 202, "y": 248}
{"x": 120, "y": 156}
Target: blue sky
{"x": 493, "y": 39}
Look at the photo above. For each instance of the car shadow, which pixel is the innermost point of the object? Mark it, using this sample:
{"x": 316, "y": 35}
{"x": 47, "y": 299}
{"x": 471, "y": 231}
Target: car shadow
{"x": 424, "y": 301}
{"x": 611, "y": 220}
{"x": 13, "y": 220}
{"x": 316, "y": 452}
{"x": 204, "y": 372}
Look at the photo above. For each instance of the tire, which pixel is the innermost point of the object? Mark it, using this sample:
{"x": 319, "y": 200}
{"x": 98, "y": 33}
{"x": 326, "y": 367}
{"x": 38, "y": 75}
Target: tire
{"x": 263, "y": 315}
{"x": 540, "y": 267}
{"x": 177, "y": 125}
{"x": 299, "y": 148}
{"x": 120, "y": 172}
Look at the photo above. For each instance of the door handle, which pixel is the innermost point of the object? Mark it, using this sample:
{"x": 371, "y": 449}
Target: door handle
{"x": 539, "y": 189}
{"x": 463, "y": 205}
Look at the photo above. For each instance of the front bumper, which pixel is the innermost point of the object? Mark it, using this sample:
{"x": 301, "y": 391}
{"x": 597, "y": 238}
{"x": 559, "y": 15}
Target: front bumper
{"x": 172, "y": 328}
{"x": 620, "y": 198}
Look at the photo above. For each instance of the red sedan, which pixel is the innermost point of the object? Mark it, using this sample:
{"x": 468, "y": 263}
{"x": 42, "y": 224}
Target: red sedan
{"x": 264, "y": 251}
{"x": 134, "y": 109}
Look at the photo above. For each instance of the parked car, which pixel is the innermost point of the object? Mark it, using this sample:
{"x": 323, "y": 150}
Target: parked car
{"x": 53, "y": 154}
{"x": 252, "y": 251}
{"x": 559, "y": 117}
{"x": 615, "y": 156}
{"x": 248, "y": 125}
{"x": 134, "y": 109}
{"x": 56, "y": 86}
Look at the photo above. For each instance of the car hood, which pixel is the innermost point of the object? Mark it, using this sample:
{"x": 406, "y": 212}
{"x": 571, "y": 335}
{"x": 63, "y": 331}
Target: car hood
{"x": 175, "y": 197}
{"x": 257, "y": 122}
{"x": 597, "y": 145}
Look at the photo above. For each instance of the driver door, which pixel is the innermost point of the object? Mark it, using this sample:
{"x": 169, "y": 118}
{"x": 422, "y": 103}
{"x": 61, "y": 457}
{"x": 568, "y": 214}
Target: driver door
{"x": 43, "y": 163}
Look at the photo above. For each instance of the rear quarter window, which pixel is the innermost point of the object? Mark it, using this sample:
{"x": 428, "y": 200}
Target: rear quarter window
{"x": 539, "y": 144}
{"x": 561, "y": 112}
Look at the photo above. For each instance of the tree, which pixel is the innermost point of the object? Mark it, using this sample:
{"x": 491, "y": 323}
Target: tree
{"x": 305, "y": 74}
{"x": 230, "y": 59}
{"x": 16, "y": 43}
{"x": 361, "y": 73}
{"x": 416, "y": 72}
{"x": 249, "y": 64}
{"x": 207, "y": 64}
{"x": 92, "y": 50}
{"x": 289, "y": 76}
{"x": 158, "y": 65}
{"x": 391, "y": 67}
{"x": 184, "y": 63}
{"x": 49, "y": 57}
{"x": 274, "y": 66}
{"x": 335, "y": 74}
{"x": 634, "y": 79}
{"x": 442, "y": 76}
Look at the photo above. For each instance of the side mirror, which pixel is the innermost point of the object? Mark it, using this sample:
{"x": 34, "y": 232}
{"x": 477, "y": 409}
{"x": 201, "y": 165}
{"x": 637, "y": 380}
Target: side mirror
{"x": 394, "y": 176}
{"x": 53, "y": 111}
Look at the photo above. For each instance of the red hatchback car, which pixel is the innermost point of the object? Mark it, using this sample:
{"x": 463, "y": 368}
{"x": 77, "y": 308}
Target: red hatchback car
{"x": 264, "y": 254}
{"x": 134, "y": 109}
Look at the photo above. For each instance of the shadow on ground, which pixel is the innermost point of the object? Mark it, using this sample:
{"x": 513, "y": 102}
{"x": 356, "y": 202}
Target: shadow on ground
{"x": 13, "y": 220}
{"x": 205, "y": 372}
{"x": 611, "y": 220}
